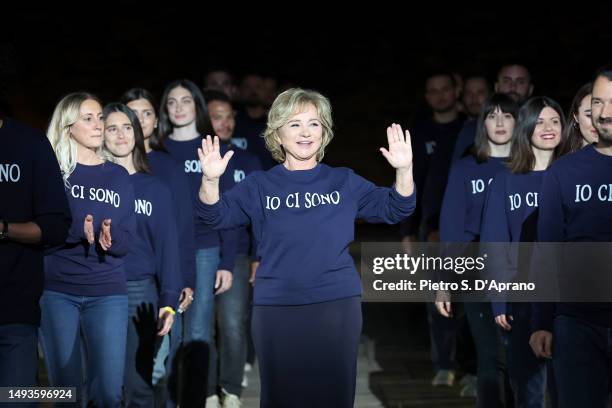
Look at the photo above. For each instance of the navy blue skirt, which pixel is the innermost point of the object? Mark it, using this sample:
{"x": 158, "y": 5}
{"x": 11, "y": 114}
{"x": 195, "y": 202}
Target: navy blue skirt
{"x": 307, "y": 354}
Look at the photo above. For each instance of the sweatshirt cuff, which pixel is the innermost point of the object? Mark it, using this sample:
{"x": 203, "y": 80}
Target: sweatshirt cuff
{"x": 169, "y": 298}
{"x": 189, "y": 279}
{"x": 226, "y": 265}
{"x": 53, "y": 228}
{"x": 498, "y": 308}
{"x": 542, "y": 317}
{"x": 209, "y": 213}
{"x": 397, "y": 196}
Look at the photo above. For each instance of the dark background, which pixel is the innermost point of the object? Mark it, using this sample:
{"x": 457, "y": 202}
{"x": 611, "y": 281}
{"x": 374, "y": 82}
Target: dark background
{"x": 370, "y": 59}
{"x": 371, "y": 66}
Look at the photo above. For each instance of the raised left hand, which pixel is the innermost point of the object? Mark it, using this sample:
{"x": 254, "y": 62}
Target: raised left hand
{"x": 399, "y": 154}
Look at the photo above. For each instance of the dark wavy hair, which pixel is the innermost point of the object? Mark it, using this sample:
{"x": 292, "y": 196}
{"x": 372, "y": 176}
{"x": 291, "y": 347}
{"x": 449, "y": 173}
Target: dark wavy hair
{"x": 134, "y": 94}
{"x": 481, "y": 149}
{"x": 605, "y": 71}
{"x": 572, "y": 136}
{"x": 165, "y": 127}
{"x": 139, "y": 155}
{"x": 522, "y": 159}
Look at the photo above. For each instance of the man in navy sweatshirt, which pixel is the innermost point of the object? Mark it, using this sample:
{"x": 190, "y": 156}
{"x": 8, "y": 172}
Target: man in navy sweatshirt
{"x": 582, "y": 332}
{"x": 232, "y": 306}
{"x": 251, "y": 118}
{"x": 514, "y": 80}
{"x": 34, "y": 214}
{"x": 433, "y": 140}
{"x": 475, "y": 92}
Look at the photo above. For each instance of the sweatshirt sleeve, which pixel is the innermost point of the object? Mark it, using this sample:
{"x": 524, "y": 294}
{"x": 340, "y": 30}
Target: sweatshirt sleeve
{"x": 234, "y": 208}
{"x": 495, "y": 232}
{"x": 495, "y": 226}
{"x": 465, "y": 139}
{"x": 51, "y": 209}
{"x": 256, "y": 166}
{"x": 550, "y": 220}
{"x": 454, "y": 207}
{"x": 380, "y": 204}
{"x": 166, "y": 249}
{"x": 182, "y": 205}
{"x": 123, "y": 230}
{"x": 229, "y": 248}
{"x": 550, "y": 229}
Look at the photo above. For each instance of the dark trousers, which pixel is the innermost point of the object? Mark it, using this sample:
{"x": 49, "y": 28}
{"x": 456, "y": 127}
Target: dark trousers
{"x": 18, "y": 355}
{"x": 232, "y": 312}
{"x": 582, "y": 362}
{"x": 18, "y": 358}
{"x": 443, "y": 335}
{"x": 527, "y": 372}
{"x": 493, "y": 386}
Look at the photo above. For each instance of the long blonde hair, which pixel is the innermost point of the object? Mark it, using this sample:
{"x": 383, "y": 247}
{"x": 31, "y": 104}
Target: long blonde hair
{"x": 66, "y": 114}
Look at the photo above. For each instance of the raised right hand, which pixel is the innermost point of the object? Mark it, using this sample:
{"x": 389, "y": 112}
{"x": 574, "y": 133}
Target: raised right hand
{"x": 213, "y": 165}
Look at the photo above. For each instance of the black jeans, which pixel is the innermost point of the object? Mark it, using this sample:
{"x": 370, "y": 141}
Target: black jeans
{"x": 493, "y": 386}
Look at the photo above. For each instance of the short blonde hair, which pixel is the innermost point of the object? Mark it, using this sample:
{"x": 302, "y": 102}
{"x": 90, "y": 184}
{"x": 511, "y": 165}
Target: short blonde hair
{"x": 65, "y": 115}
{"x": 286, "y": 105}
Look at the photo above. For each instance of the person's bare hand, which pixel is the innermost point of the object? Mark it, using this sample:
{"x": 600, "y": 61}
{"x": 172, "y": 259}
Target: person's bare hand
{"x": 503, "y": 321}
{"x": 165, "y": 320}
{"x": 185, "y": 300}
{"x": 445, "y": 309}
{"x": 88, "y": 229}
{"x": 223, "y": 282}
{"x": 213, "y": 165}
{"x": 408, "y": 244}
{"x": 254, "y": 266}
{"x": 541, "y": 343}
{"x": 399, "y": 153}
{"x": 105, "y": 238}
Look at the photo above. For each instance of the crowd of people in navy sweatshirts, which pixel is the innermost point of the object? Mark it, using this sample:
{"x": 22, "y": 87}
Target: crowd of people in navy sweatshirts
{"x": 130, "y": 241}
{"x": 509, "y": 173}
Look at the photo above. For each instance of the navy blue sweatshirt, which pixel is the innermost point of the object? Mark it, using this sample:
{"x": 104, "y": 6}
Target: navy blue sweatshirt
{"x": 171, "y": 173}
{"x": 465, "y": 139}
{"x": 31, "y": 190}
{"x": 511, "y": 199}
{"x": 248, "y": 136}
{"x": 432, "y": 144}
{"x": 304, "y": 222}
{"x": 78, "y": 268}
{"x": 187, "y": 153}
{"x": 240, "y": 166}
{"x": 464, "y": 198}
{"x": 155, "y": 252}
{"x": 570, "y": 216}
